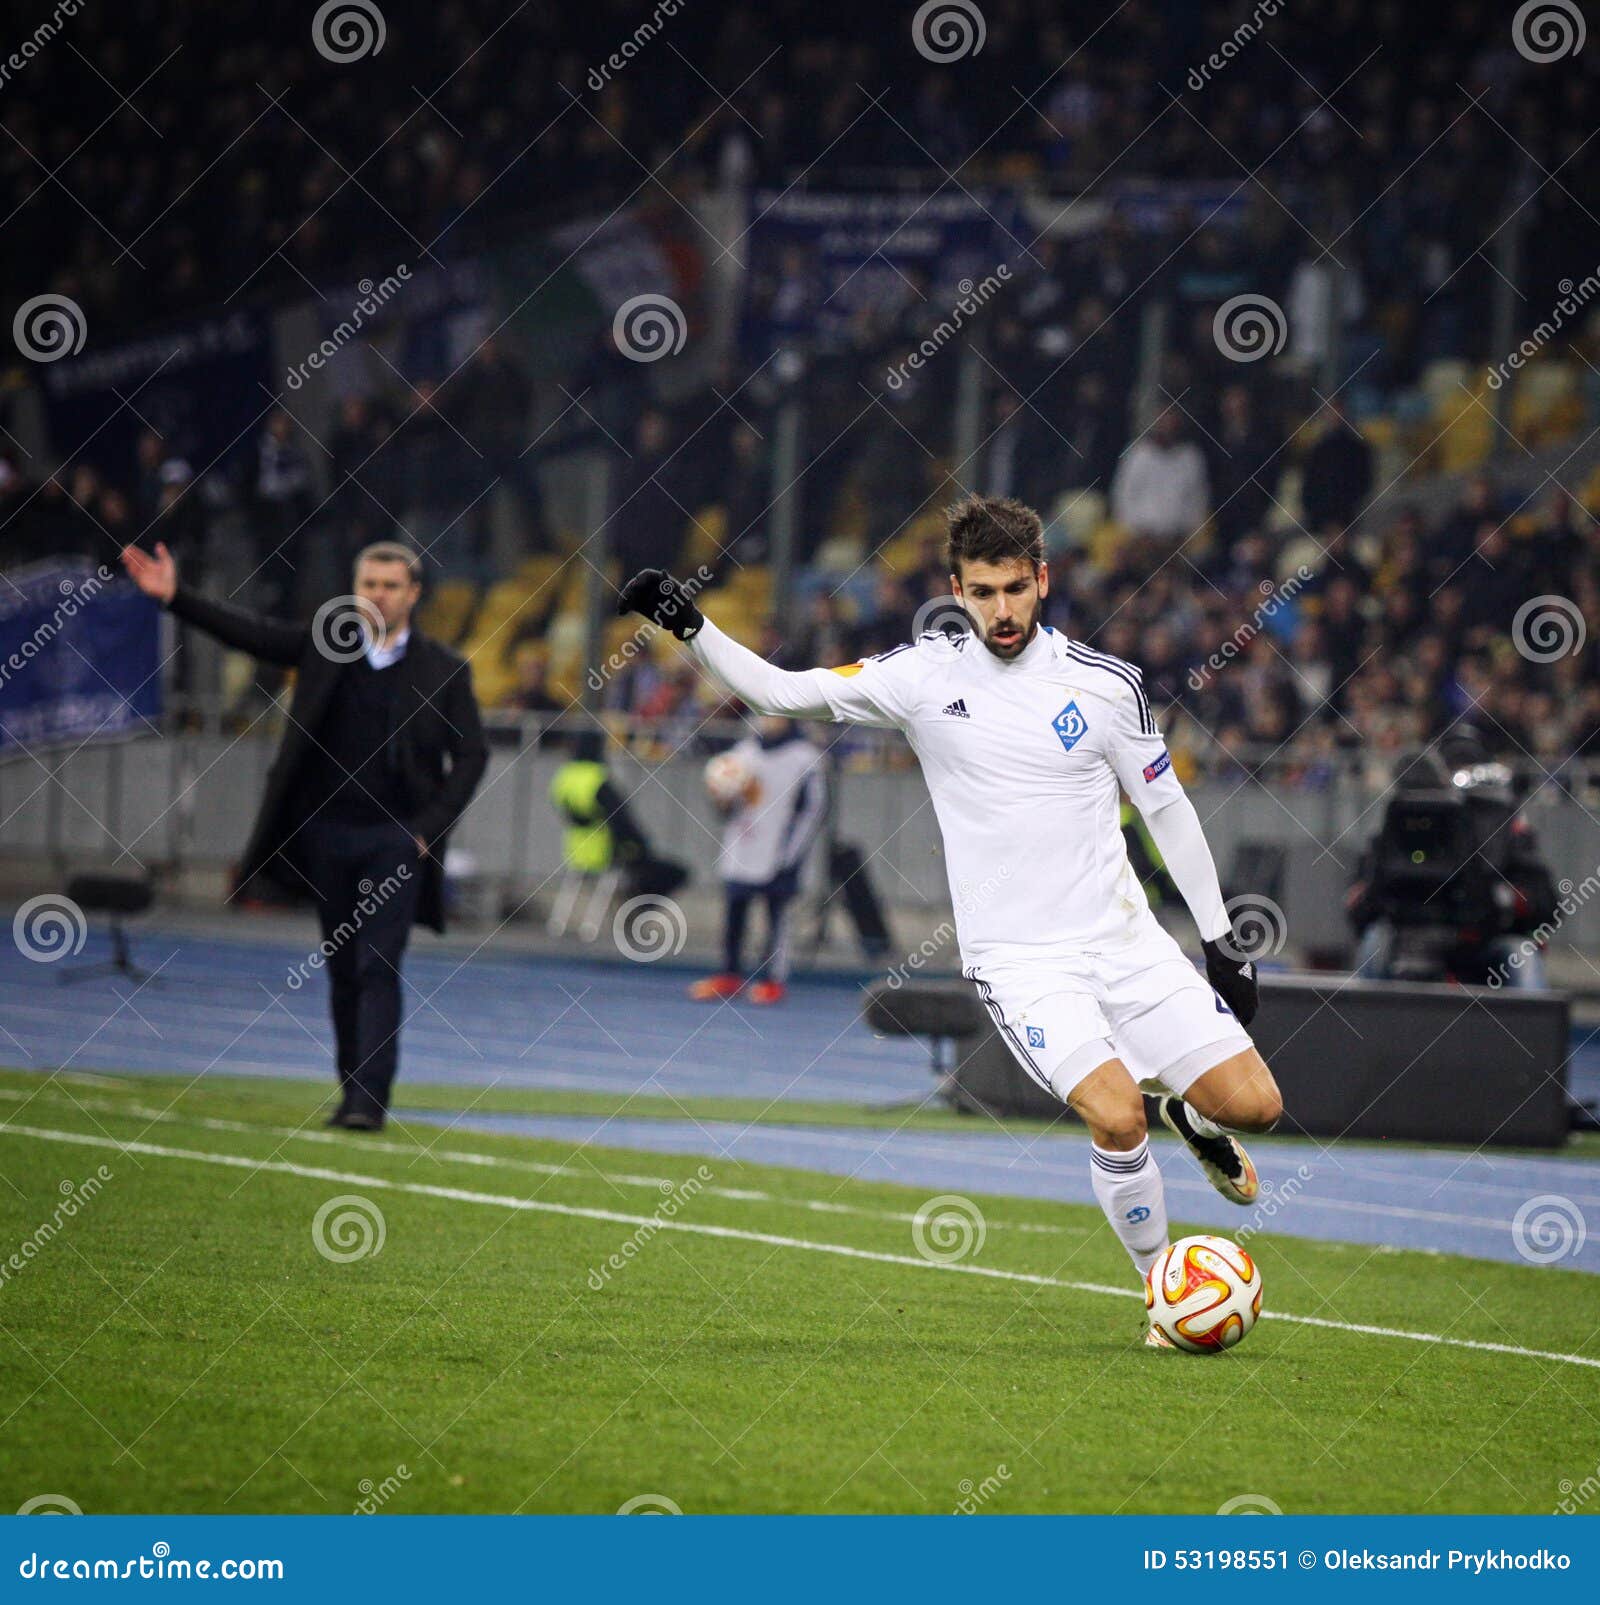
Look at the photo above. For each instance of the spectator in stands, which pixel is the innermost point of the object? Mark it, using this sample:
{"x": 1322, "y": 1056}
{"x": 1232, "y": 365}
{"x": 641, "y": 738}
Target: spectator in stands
{"x": 532, "y": 692}
{"x": 490, "y": 399}
{"x": 1016, "y": 461}
{"x": 747, "y": 494}
{"x": 827, "y": 639}
{"x": 357, "y": 501}
{"x": 284, "y": 503}
{"x": 1337, "y": 472}
{"x": 648, "y": 524}
{"x": 1242, "y": 465}
{"x": 1457, "y": 536}
{"x": 81, "y": 524}
{"x": 1160, "y": 490}
{"x": 149, "y": 454}
{"x": 434, "y": 483}
{"x": 1495, "y": 581}
{"x": 1092, "y": 436}
{"x": 889, "y": 617}
{"x": 1566, "y": 537}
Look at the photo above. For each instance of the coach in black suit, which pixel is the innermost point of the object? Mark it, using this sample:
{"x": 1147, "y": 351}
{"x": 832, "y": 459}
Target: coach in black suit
{"x": 382, "y": 752}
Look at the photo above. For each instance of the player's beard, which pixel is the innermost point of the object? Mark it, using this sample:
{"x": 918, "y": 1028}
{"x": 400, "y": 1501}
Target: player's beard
{"x": 1014, "y": 646}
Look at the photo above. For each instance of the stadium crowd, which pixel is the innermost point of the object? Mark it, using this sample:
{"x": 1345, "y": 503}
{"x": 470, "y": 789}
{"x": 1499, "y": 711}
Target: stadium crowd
{"x": 1220, "y": 542}
{"x": 1375, "y": 126}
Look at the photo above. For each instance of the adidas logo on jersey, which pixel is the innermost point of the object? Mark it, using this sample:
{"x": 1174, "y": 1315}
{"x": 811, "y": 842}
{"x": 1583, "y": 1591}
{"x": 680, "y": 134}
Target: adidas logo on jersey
{"x": 958, "y": 709}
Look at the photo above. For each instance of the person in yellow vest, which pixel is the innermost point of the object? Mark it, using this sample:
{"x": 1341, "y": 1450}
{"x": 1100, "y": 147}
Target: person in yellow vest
{"x": 601, "y": 833}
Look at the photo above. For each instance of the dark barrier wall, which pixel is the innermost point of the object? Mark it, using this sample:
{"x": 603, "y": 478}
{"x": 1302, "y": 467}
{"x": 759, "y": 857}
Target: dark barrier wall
{"x": 1365, "y": 1059}
{"x": 1417, "y": 1063}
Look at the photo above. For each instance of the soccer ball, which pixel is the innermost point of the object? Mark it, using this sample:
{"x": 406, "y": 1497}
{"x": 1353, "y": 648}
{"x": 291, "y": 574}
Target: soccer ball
{"x": 728, "y": 780}
{"x": 1203, "y": 1294}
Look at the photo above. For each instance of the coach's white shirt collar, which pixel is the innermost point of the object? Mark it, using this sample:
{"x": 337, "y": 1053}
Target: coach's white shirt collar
{"x": 380, "y": 654}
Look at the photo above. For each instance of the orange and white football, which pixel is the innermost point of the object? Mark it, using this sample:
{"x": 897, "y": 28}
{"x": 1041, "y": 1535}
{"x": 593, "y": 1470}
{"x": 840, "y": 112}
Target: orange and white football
{"x": 1203, "y": 1294}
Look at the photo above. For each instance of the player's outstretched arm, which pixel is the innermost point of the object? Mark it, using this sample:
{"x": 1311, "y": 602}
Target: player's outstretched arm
{"x": 1144, "y": 767}
{"x": 1176, "y": 830}
{"x": 767, "y": 688}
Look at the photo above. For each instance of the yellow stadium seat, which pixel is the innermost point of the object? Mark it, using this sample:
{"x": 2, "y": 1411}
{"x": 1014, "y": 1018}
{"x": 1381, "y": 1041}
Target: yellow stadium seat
{"x": 448, "y": 609}
{"x": 1546, "y": 406}
{"x": 706, "y": 537}
{"x": 750, "y": 587}
{"x": 1463, "y": 419}
{"x": 728, "y": 613}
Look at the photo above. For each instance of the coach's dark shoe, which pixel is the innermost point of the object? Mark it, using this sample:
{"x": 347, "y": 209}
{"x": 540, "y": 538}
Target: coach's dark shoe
{"x": 338, "y": 1117}
{"x": 1222, "y": 1158}
{"x": 359, "y": 1120}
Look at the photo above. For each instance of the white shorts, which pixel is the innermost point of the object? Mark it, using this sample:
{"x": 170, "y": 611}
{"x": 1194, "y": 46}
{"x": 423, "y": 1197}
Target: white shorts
{"x": 1144, "y": 1004}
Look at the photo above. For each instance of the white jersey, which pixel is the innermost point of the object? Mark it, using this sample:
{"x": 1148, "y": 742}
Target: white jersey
{"x": 1023, "y": 760}
{"x": 773, "y": 830}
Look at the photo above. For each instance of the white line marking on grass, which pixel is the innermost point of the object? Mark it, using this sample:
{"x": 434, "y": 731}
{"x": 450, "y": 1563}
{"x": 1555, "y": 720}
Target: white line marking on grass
{"x": 125, "y": 1110}
{"x": 540, "y": 1206}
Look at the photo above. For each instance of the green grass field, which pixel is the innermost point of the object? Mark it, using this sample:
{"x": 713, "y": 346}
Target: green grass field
{"x": 522, "y": 1342}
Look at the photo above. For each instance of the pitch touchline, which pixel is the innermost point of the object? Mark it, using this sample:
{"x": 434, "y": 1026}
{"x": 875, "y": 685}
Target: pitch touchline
{"x": 461, "y": 1156}
{"x": 839, "y": 1137}
{"x": 843, "y": 1250}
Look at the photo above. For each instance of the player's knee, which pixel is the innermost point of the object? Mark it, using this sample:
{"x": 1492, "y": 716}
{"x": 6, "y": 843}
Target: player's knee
{"x": 1121, "y": 1128}
{"x": 1255, "y": 1108}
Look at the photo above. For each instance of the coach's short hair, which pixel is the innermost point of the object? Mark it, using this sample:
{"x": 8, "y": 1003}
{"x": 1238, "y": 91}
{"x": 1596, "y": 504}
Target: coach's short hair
{"x": 392, "y": 552}
{"x": 994, "y": 529}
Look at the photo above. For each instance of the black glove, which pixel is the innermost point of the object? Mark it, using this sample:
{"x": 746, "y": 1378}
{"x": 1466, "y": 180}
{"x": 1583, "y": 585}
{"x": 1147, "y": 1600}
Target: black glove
{"x": 654, "y": 593}
{"x": 1233, "y": 978}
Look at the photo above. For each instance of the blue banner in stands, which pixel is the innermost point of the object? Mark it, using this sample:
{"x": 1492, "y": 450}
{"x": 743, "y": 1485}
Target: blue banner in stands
{"x": 821, "y": 263}
{"x": 202, "y": 386}
{"x": 79, "y": 657}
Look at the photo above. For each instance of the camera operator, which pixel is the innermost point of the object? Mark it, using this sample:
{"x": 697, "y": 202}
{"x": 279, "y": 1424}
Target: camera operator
{"x": 1453, "y": 883}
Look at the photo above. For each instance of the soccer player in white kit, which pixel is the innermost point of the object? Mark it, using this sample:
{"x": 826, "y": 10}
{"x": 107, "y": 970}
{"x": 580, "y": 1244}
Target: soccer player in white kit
{"x": 1025, "y": 738}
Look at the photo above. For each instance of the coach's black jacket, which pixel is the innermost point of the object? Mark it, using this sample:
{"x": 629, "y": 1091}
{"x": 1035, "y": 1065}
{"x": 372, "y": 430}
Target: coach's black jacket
{"x": 439, "y": 750}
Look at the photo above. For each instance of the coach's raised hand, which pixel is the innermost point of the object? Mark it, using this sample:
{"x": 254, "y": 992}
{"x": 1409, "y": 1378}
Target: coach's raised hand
{"x": 663, "y": 600}
{"x": 156, "y": 576}
{"x": 1233, "y": 977}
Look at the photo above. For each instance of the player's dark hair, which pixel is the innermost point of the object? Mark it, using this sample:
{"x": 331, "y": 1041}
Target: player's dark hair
{"x": 993, "y": 529}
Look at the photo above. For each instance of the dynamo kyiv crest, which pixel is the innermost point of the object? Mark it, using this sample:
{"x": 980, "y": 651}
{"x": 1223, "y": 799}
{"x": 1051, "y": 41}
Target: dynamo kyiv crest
{"x": 1070, "y": 725}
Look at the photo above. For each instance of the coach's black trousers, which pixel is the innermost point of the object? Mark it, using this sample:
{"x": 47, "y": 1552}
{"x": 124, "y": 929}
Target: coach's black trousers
{"x": 365, "y": 879}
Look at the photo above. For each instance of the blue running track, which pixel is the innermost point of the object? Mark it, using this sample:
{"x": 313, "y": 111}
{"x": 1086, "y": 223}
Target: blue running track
{"x": 247, "y": 1007}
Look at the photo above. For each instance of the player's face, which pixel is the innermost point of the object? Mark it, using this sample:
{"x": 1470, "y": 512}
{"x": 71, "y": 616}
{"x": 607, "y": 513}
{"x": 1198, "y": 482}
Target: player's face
{"x": 1003, "y": 600}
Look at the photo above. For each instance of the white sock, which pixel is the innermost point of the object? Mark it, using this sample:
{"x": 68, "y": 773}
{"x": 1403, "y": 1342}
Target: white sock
{"x": 1199, "y": 1123}
{"x": 1128, "y": 1187}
